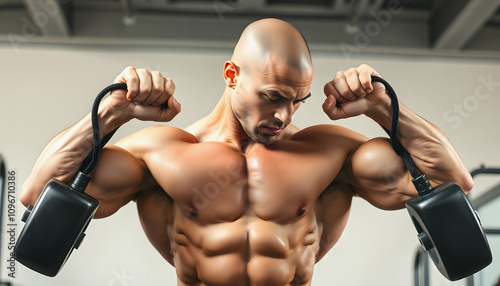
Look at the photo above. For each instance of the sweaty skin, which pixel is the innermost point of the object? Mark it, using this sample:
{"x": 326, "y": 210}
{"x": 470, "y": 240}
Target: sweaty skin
{"x": 242, "y": 196}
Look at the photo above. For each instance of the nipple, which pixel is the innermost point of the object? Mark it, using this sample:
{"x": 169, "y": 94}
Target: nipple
{"x": 193, "y": 211}
{"x": 301, "y": 211}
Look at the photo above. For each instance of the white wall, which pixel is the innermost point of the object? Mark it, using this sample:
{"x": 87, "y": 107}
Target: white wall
{"x": 45, "y": 89}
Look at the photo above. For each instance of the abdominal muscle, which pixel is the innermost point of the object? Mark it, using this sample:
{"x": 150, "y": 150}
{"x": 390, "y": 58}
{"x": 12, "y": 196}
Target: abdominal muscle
{"x": 248, "y": 251}
{"x": 239, "y": 218}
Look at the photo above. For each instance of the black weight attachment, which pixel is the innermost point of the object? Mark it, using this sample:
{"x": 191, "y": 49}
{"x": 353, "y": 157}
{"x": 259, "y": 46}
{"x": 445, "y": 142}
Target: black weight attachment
{"x": 450, "y": 231}
{"x": 448, "y": 227}
{"x": 54, "y": 227}
{"x": 56, "y": 224}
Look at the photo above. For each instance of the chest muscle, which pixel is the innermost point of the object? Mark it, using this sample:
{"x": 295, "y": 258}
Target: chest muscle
{"x": 212, "y": 182}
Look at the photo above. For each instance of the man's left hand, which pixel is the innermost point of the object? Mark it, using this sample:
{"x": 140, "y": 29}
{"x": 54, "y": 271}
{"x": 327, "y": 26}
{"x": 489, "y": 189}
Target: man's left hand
{"x": 352, "y": 93}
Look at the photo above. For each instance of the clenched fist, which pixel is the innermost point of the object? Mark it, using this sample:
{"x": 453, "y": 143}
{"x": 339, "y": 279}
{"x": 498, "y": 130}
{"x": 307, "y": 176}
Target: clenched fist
{"x": 149, "y": 96}
{"x": 352, "y": 93}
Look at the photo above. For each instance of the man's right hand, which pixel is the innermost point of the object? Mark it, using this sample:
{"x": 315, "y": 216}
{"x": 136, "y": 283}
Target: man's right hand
{"x": 145, "y": 98}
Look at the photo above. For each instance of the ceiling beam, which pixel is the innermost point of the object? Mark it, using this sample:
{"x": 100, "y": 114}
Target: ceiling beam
{"x": 126, "y": 7}
{"x": 376, "y": 4}
{"x": 366, "y": 8}
{"x": 105, "y": 29}
{"x": 456, "y": 21}
{"x": 343, "y": 7}
{"x": 360, "y": 9}
{"x": 128, "y": 13}
{"x": 52, "y": 18}
{"x": 254, "y": 5}
{"x": 486, "y": 39}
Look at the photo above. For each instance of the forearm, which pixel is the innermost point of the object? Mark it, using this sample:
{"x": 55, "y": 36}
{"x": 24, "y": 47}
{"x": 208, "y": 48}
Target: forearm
{"x": 431, "y": 150}
{"x": 64, "y": 154}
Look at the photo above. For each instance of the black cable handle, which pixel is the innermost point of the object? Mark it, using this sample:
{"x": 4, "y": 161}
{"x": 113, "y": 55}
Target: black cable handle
{"x": 419, "y": 180}
{"x": 91, "y": 160}
{"x": 82, "y": 179}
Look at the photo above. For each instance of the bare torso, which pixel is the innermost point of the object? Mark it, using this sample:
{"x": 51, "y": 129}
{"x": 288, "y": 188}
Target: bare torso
{"x": 228, "y": 213}
{"x": 223, "y": 216}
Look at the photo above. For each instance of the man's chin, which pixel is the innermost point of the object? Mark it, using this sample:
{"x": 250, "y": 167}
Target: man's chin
{"x": 262, "y": 137}
{"x": 266, "y": 139}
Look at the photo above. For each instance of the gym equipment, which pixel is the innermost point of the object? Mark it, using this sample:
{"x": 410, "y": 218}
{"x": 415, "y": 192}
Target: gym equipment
{"x": 448, "y": 228}
{"x": 56, "y": 224}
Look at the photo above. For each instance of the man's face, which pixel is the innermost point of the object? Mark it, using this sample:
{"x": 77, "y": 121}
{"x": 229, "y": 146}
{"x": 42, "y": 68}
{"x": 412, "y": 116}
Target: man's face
{"x": 265, "y": 100}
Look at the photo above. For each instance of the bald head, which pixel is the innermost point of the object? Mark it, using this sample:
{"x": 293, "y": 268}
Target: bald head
{"x": 272, "y": 41}
{"x": 269, "y": 75}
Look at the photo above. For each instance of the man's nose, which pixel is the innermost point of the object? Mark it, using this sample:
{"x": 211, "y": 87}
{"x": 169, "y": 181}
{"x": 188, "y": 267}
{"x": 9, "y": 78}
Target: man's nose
{"x": 284, "y": 114}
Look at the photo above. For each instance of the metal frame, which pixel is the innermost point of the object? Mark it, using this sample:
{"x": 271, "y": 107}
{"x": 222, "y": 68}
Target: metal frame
{"x": 457, "y": 21}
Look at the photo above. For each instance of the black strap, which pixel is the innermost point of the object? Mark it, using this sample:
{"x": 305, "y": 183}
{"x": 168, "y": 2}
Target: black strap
{"x": 398, "y": 148}
{"x": 89, "y": 162}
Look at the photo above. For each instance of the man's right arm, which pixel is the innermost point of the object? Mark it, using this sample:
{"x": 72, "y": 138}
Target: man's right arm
{"x": 117, "y": 174}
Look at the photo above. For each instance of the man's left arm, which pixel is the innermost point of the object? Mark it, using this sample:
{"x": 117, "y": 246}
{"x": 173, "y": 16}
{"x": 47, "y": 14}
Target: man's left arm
{"x": 376, "y": 172}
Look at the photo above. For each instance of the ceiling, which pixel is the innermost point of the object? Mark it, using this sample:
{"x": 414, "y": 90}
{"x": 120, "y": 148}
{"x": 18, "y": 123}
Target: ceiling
{"x": 464, "y": 28}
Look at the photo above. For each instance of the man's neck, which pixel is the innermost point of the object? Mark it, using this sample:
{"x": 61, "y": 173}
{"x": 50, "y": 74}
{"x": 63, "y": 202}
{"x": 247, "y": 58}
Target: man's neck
{"x": 220, "y": 125}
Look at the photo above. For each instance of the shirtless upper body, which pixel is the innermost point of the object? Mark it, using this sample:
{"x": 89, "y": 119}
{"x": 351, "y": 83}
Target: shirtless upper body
{"x": 242, "y": 197}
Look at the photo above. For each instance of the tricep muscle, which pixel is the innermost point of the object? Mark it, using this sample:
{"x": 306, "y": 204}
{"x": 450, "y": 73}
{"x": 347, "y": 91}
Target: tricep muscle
{"x": 116, "y": 179}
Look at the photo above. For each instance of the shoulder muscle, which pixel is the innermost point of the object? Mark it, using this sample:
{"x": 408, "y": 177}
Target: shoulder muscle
{"x": 154, "y": 138}
{"x": 331, "y": 135}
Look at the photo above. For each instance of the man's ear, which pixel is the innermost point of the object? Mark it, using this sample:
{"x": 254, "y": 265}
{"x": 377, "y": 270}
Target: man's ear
{"x": 231, "y": 73}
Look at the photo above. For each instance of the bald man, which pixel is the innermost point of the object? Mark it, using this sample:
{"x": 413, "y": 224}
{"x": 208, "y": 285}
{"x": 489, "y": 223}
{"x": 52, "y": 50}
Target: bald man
{"x": 242, "y": 196}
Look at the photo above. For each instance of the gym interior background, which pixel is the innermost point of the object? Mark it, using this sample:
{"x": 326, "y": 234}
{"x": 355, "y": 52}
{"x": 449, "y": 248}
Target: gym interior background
{"x": 442, "y": 58}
